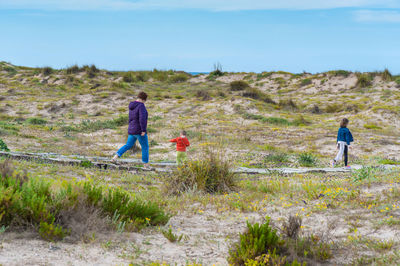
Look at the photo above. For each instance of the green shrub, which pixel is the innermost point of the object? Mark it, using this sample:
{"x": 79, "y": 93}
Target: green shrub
{"x": 389, "y": 161}
{"x": 260, "y": 245}
{"x": 343, "y": 73}
{"x": 333, "y": 108}
{"x": 239, "y": 85}
{"x": 216, "y": 73}
{"x": 277, "y": 158}
{"x": 51, "y": 232}
{"x": 300, "y": 121}
{"x": 287, "y": 104}
{"x": 10, "y": 70}
{"x": 397, "y": 80}
{"x": 305, "y": 82}
{"x": 73, "y": 69}
{"x": 168, "y": 234}
{"x": 203, "y": 95}
{"x": 372, "y": 126}
{"x": 160, "y": 75}
{"x": 256, "y": 94}
{"x": 364, "y": 80}
{"x": 254, "y": 244}
{"x": 36, "y": 121}
{"x": 128, "y": 77}
{"x": 91, "y": 71}
{"x": 86, "y": 163}
{"x": 386, "y": 75}
{"x": 276, "y": 121}
{"x": 211, "y": 174}
{"x": 47, "y": 71}
{"x": 366, "y": 172}
{"x": 177, "y": 78}
{"x": 307, "y": 159}
{"x": 3, "y": 146}
{"x": 52, "y": 208}
{"x": 142, "y": 76}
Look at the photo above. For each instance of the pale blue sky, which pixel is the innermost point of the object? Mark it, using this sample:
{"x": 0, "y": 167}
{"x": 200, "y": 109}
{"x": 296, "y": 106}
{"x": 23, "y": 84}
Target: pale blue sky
{"x": 191, "y": 35}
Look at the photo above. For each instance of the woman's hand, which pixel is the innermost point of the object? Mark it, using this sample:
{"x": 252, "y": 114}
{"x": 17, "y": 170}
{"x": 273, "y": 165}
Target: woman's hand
{"x": 143, "y": 133}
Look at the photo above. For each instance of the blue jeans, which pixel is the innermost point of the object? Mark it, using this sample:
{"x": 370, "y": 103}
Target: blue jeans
{"x": 144, "y": 143}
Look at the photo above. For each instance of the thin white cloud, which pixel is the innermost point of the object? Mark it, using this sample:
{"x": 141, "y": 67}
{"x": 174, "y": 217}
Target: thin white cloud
{"x": 214, "y": 5}
{"x": 377, "y": 16}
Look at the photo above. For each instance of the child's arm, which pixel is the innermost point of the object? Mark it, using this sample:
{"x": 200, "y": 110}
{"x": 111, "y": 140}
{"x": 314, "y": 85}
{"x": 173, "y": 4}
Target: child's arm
{"x": 173, "y": 140}
{"x": 349, "y": 138}
{"x": 186, "y": 141}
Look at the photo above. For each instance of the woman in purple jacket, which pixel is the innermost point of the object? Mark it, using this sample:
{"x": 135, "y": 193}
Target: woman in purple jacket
{"x": 137, "y": 129}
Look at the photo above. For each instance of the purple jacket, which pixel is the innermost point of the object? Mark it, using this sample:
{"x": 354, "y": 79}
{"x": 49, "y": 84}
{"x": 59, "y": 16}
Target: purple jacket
{"x": 137, "y": 118}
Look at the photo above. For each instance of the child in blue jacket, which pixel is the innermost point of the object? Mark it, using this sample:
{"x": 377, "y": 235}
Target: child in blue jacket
{"x": 344, "y": 138}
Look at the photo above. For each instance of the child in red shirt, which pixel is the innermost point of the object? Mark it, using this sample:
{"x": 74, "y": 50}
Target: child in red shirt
{"x": 181, "y": 143}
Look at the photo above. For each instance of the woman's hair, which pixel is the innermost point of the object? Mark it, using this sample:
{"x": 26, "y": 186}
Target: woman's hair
{"x": 142, "y": 96}
{"x": 344, "y": 122}
{"x": 183, "y": 132}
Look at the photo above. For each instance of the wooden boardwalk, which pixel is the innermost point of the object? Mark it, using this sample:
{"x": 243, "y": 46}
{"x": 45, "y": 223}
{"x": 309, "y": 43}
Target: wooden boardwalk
{"x": 135, "y": 164}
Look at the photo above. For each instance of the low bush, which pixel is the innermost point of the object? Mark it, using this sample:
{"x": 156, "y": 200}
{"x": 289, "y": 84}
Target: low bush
{"x": 305, "y": 82}
{"x": 10, "y": 70}
{"x": 239, "y": 85}
{"x": 287, "y": 104}
{"x": 261, "y": 245}
{"x": 256, "y": 94}
{"x": 333, "y": 108}
{"x": 216, "y": 73}
{"x": 142, "y": 76}
{"x": 211, "y": 174}
{"x": 365, "y": 173}
{"x": 168, "y": 234}
{"x": 47, "y": 71}
{"x": 160, "y": 75}
{"x": 277, "y": 158}
{"x": 3, "y": 146}
{"x": 255, "y": 242}
{"x": 36, "y": 121}
{"x": 372, "y": 126}
{"x": 343, "y": 73}
{"x": 307, "y": 159}
{"x": 203, "y": 95}
{"x": 277, "y": 121}
{"x": 52, "y": 207}
{"x": 363, "y": 80}
{"x": 73, "y": 69}
{"x": 177, "y": 78}
{"x": 91, "y": 70}
{"x": 128, "y": 77}
{"x": 397, "y": 80}
{"x": 386, "y": 75}
{"x": 389, "y": 161}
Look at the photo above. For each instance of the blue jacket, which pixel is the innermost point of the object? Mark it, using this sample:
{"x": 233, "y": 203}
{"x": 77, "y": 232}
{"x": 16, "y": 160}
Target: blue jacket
{"x": 137, "y": 118}
{"x": 344, "y": 134}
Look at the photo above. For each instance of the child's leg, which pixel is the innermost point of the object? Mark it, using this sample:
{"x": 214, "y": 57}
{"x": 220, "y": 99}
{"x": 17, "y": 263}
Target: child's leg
{"x": 340, "y": 153}
{"x": 129, "y": 144}
{"x": 144, "y": 143}
{"x": 179, "y": 158}
{"x": 346, "y": 154}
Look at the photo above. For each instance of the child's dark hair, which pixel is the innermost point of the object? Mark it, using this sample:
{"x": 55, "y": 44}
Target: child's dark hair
{"x": 183, "y": 132}
{"x": 142, "y": 96}
{"x": 344, "y": 122}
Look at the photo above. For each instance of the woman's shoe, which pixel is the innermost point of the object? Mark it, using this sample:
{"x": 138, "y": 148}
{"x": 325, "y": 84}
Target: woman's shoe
{"x": 114, "y": 159}
{"x": 147, "y": 167}
{"x": 333, "y": 162}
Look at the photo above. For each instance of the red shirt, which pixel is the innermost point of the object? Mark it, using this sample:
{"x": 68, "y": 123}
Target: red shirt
{"x": 181, "y": 143}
